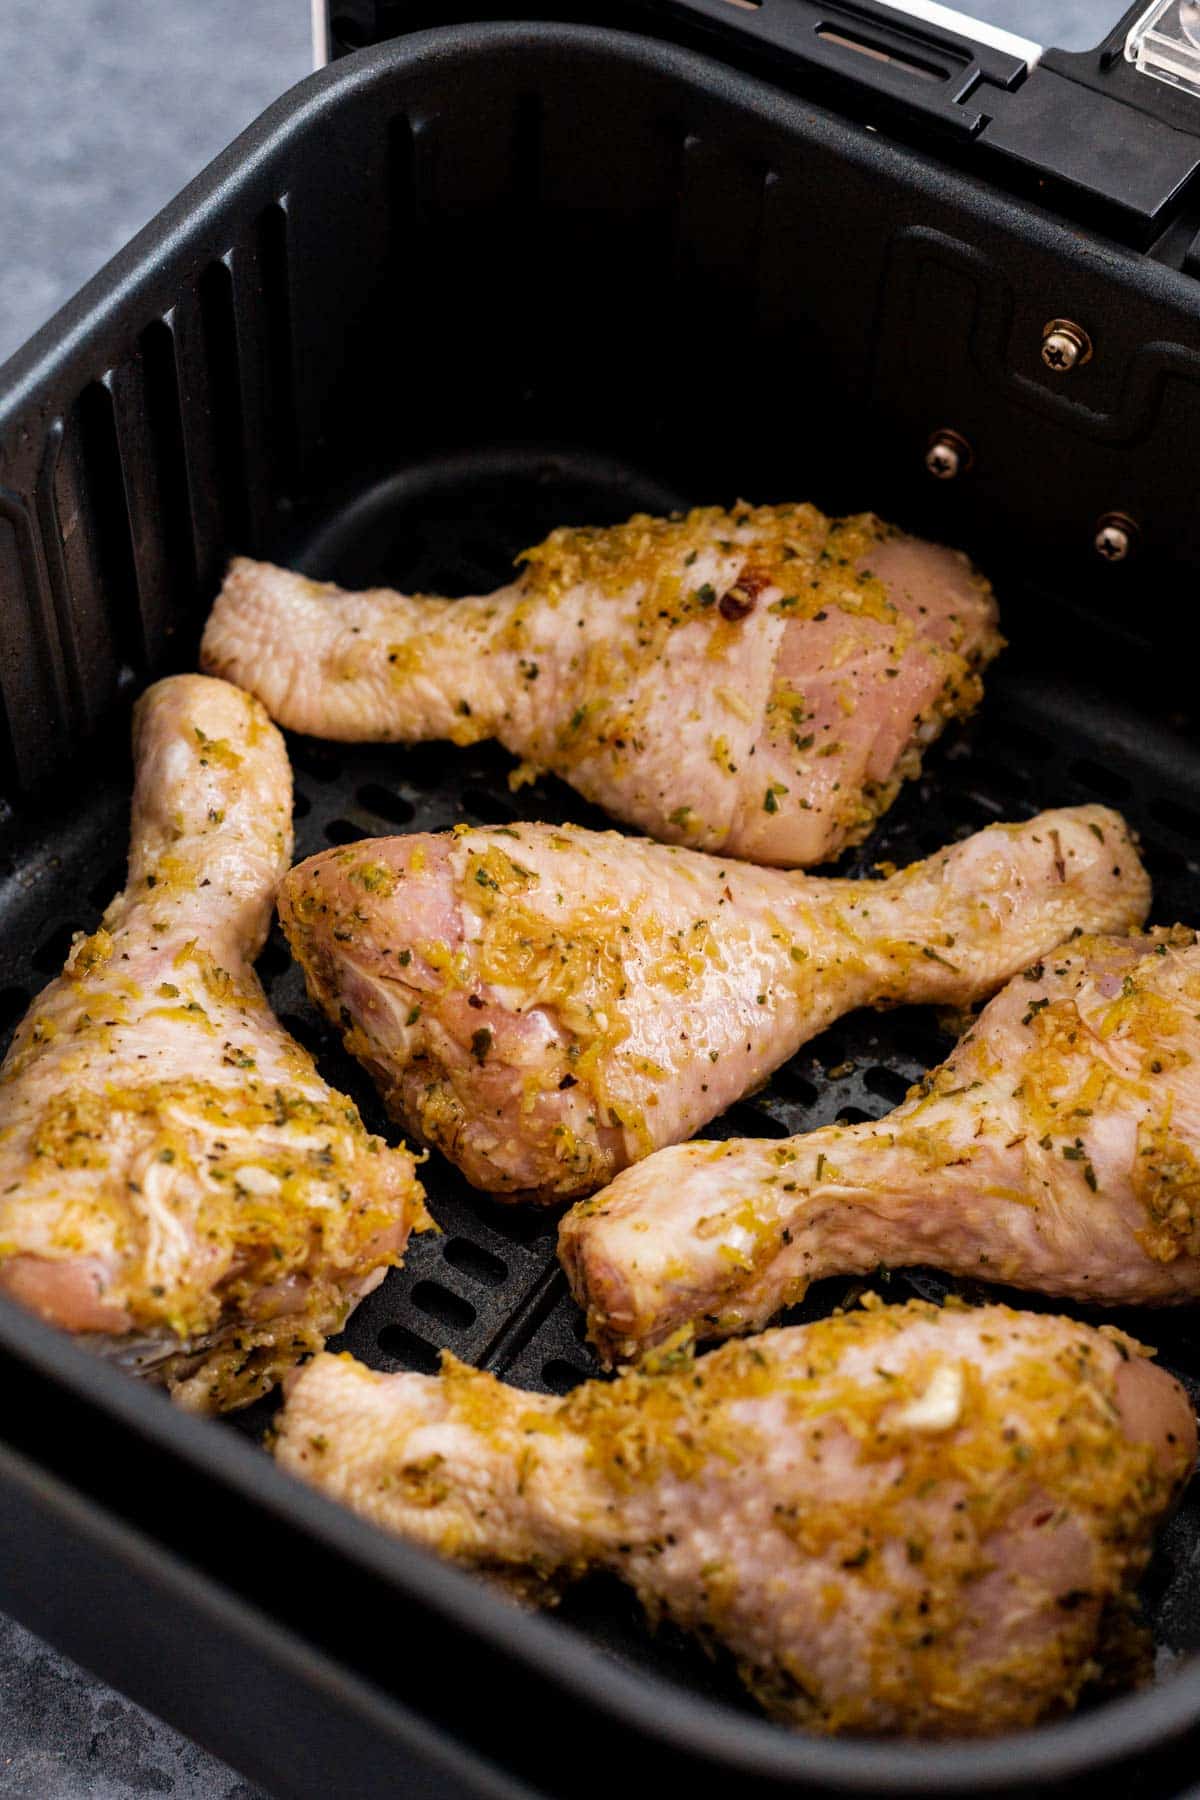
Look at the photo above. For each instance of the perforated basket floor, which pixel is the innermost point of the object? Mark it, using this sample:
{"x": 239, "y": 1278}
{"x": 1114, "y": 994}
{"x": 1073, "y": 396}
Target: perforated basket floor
{"x": 489, "y": 1287}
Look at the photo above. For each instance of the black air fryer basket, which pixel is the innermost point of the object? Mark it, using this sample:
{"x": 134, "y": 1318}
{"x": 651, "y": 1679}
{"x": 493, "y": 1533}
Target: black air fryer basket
{"x": 448, "y": 294}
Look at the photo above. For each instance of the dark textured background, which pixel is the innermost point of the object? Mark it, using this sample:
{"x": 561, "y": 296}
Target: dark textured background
{"x": 107, "y": 107}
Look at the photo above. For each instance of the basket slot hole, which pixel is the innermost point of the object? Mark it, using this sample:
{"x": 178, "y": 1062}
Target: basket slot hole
{"x": 487, "y": 807}
{"x": 924, "y": 1047}
{"x": 887, "y": 1084}
{"x": 789, "y": 1084}
{"x": 751, "y": 1121}
{"x": 425, "y": 766}
{"x": 829, "y": 1051}
{"x": 301, "y": 805}
{"x": 521, "y": 1224}
{"x": 408, "y": 1348}
{"x": 560, "y": 1376}
{"x": 450, "y": 1310}
{"x": 343, "y": 831}
{"x": 854, "y": 1115}
{"x": 53, "y": 950}
{"x": 479, "y": 1264}
{"x": 386, "y": 805}
{"x": 1105, "y": 782}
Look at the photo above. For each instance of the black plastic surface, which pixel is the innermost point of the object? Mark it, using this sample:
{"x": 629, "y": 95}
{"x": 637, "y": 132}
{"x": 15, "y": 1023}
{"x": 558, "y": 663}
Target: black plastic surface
{"x": 940, "y": 76}
{"x": 1112, "y": 156}
{"x": 434, "y": 305}
{"x": 1083, "y": 130}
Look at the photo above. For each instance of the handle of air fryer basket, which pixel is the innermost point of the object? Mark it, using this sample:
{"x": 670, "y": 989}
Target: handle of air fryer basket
{"x": 903, "y": 63}
{"x": 1106, "y": 136}
{"x": 922, "y": 67}
{"x": 1092, "y": 133}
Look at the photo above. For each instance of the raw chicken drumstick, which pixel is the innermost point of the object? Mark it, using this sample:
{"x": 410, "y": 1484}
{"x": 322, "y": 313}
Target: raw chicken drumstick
{"x": 1058, "y": 1148}
{"x": 757, "y": 682}
{"x": 898, "y": 1520}
{"x": 547, "y": 1005}
{"x": 178, "y": 1185}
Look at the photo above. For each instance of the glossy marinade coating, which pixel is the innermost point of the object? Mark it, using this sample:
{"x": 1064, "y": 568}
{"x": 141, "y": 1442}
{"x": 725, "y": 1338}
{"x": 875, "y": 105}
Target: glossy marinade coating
{"x": 548, "y": 1004}
{"x": 178, "y": 1184}
{"x": 757, "y": 681}
{"x": 897, "y": 1520}
{"x": 1058, "y": 1148}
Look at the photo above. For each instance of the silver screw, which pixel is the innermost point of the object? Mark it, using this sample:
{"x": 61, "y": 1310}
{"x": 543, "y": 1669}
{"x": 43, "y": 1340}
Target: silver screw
{"x": 1116, "y": 537}
{"x": 1065, "y": 346}
{"x": 947, "y": 455}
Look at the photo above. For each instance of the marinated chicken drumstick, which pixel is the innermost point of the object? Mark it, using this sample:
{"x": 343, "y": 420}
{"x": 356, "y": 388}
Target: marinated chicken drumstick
{"x": 1058, "y": 1148}
{"x": 758, "y": 682}
{"x": 547, "y": 1005}
{"x": 178, "y": 1185}
{"x": 898, "y": 1520}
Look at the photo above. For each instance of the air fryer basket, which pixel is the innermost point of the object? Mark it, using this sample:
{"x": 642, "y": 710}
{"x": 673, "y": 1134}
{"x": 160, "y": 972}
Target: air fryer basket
{"x": 438, "y": 301}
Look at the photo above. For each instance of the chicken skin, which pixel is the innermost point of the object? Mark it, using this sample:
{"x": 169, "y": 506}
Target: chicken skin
{"x": 547, "y": 1005}
{"x": 757, "y": 682}
{"x": 1058, "y": 1148}
{"x": 178, "y": 1185}
{"x": 897, "y": 1520}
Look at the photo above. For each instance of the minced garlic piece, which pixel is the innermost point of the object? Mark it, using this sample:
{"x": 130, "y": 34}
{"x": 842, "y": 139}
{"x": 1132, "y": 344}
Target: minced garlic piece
{"x": 256, "y": 1180}
{"x": 939, "y": 1407}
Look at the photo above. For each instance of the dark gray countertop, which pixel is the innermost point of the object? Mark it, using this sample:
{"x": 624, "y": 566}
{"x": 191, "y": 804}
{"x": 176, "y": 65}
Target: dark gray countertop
{"x": 107, "y": 107}
{"x": 66, "y": 1736}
